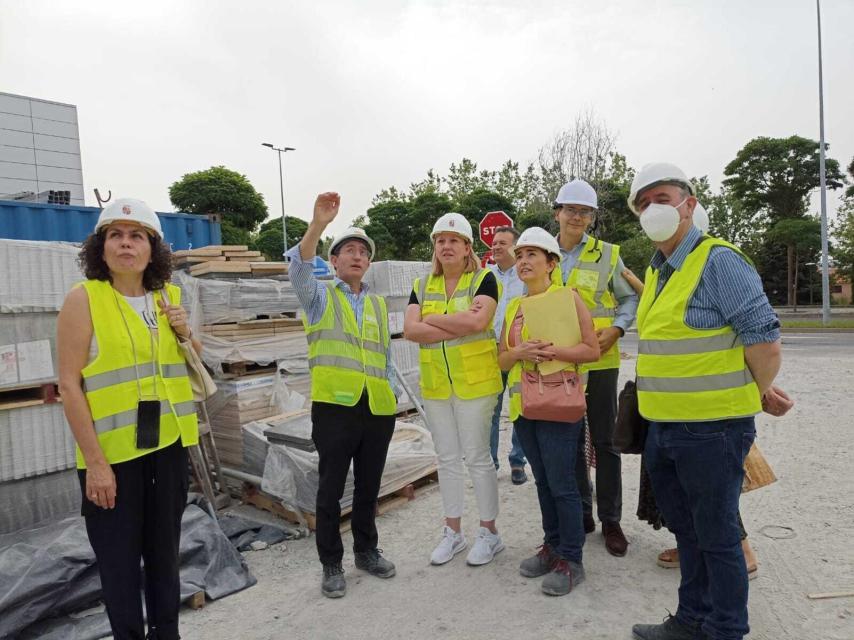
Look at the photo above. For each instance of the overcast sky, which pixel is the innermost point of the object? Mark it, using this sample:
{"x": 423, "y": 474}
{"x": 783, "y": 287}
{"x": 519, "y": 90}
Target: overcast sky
{"x": 374, "y": 93}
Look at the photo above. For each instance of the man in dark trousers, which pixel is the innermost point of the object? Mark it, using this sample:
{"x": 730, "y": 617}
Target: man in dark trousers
{"x": 353, "y": 403}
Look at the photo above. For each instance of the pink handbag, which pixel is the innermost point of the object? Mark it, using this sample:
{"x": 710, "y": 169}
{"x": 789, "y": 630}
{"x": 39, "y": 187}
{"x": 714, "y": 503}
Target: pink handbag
{"x": 557, "y": 397}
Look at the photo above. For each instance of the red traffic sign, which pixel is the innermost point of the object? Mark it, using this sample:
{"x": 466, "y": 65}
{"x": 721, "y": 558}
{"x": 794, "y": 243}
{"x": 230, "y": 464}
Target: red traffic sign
{"x": 486, "y": 259}
{"x": 491, "y": 221}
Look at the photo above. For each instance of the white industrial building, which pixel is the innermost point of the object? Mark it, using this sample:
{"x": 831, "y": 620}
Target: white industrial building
{"x": 39, "y": 151}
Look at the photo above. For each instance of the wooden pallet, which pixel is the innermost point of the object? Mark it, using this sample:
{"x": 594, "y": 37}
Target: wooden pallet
{"x": 29, "y": 395}
{"x": 237, "y": 369}
{"x": 257, "y": 498}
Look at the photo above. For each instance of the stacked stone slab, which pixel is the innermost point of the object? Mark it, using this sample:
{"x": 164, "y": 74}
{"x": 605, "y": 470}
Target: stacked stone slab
{"x": 37, "y": 478}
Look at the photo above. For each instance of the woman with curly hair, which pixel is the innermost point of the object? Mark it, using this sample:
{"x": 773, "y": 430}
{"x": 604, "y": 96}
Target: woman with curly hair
{"x": 128, "y": 400}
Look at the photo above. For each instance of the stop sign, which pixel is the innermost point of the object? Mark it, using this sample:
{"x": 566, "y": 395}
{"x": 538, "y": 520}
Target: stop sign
{"x": 491, "y": 221}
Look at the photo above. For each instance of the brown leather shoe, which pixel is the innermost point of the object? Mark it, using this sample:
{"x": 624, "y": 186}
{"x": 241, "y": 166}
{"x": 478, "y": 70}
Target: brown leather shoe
{"x": 615, "y": 541}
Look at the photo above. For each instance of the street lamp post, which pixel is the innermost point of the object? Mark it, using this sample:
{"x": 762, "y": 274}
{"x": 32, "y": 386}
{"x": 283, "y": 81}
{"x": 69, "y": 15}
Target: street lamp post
{"x": 281, "y": 192}
{"x": 825, "y": 277}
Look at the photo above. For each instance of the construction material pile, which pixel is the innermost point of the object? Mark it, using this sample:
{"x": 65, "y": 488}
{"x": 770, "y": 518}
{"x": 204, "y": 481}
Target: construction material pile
{"x": 227, "y": 261}
{"x": 38, "y": 482}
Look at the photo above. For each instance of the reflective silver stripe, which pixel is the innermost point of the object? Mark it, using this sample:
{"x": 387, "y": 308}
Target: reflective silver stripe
{"x": 174, "y": 370}
{"x": 718, "y": 382}
{"x": 125, "y": 418}
{"x": 346, "y": 363}
{"x": 460, "y": 294}
{"x": 434, "y": 296}
{"x": 332, "y": 334}
{"x": 603, "y": 312}
{"x": 373, "y": 346}
{"x": 423, "y": 290}
{"x": 689, "y": 345}
{"x": 381, "y": 316}
{"x": 183, "y": 408}
{"x": 116, "y": 376}
{"x": 431, "y": 345}
{"x": 516, "y": 387}
{"x": 474, "y": 337}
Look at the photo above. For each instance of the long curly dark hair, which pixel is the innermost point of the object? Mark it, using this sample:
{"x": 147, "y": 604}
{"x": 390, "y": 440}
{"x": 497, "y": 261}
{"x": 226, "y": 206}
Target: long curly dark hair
{"x": 94, "y": 267}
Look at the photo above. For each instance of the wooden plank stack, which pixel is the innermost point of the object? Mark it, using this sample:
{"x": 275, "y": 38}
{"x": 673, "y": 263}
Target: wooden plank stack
{"x": 227, "y": 261}
{"x": 250, "y": 329}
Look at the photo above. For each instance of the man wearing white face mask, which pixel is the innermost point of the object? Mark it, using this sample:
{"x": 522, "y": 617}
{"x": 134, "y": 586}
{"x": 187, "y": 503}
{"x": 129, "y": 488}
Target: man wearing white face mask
{"x": 708, "y": 352}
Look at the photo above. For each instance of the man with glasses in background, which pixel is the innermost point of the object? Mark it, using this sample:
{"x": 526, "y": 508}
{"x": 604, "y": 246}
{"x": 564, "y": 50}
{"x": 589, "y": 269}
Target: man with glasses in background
{"x": 594, "y": 269}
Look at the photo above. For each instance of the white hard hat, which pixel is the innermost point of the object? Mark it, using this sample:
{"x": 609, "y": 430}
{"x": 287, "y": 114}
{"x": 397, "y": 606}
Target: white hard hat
{"x": 453, "y": 223}
{"x": 351, "y": 233}
{"x": 130, "y": 210}
{"x": 540, "y": 238}
{"x": 657, "y": 173}
{"x": 701, "y": 218}
{"x": 577, "y": 192}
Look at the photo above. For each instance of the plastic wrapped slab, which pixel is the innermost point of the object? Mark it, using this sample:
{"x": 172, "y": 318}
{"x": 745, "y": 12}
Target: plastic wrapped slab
{"x": 244, "y": 400}
{"x": 34, "y": 441}
{"x": 291, "y": 474}
{"x": 34, "y": 501}
{"x": 36, "y": 275}
{"x": 395, "y": 277}
{"x": 29, "y": 329}
{"x": 51, "y": 571}
{"x": 210, "y": 301}
{"x": 262, "y": 350}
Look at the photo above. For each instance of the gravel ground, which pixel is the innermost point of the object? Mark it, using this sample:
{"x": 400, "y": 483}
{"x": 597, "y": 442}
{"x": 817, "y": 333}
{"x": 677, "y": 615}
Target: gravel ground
{"x": 801, "y": 528}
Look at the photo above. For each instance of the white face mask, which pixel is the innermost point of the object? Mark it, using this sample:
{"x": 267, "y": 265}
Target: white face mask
{"x": 660, "y": 221}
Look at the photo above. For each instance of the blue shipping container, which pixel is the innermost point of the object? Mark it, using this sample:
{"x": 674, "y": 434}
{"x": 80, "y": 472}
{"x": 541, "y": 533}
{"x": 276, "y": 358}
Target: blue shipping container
{"x": 69, "y": 223}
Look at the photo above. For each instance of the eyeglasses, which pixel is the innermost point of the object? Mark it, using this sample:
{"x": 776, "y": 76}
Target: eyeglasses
{"x": 572, "y": 211}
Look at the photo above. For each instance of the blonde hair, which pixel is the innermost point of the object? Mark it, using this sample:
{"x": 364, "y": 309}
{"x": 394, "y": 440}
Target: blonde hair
{"x": 472, "y": 262}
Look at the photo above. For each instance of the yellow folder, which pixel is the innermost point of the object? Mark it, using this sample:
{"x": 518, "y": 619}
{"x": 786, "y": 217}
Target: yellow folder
{"x": 551, "y": 317}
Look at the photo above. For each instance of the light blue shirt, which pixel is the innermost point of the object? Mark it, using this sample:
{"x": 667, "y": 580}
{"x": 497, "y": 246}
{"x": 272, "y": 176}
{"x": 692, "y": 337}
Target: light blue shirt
{"x": 511, "y": 287}
{"x": 729, "y": 292}
{"x": 627, "y": 299}
{"x": 312, "y": 297}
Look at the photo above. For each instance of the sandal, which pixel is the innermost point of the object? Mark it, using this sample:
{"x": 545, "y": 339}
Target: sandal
{"x": 669, "y": 559}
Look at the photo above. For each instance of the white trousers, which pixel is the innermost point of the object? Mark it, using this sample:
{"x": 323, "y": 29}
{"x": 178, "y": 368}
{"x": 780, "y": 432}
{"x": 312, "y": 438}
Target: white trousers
{"x": 460, "y": 430}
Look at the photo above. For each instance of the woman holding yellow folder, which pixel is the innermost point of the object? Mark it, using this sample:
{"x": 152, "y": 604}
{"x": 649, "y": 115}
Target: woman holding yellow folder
{"x": 551, "y": 447}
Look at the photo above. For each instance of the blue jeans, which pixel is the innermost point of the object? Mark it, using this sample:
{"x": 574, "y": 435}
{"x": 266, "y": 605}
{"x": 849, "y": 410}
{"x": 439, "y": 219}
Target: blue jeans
{"x": 551, "y": 448}
{"x": 696, "y": 470}
{"x": 517, "y": 457}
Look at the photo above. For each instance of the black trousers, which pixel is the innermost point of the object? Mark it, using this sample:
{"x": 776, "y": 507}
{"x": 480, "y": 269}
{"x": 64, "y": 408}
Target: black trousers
{"x": 602, "y": 419}
{"x": 145, "y": 524}
{"x": 343, "y": 434}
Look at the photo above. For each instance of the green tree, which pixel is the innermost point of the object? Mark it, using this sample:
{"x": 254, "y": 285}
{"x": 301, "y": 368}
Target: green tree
{"x": 268, "y": 240}
{"x": 771, "y": 179}
{"x": 223, "y": 191}
{"x": 777, "y": 175}
{"x": 799, "y": 236}
{"x": 843, "y": 234}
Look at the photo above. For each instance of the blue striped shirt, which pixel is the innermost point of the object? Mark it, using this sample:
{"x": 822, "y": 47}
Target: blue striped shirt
{"x": 511, "y": 287}
{"x": 729, "y": 292}
{"x": 312, "y": 297}
{"x": 627, "y": 299}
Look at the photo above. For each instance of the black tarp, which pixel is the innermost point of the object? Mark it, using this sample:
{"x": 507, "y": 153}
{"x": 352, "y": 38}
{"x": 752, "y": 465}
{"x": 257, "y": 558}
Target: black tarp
{"x": 50, "y": 572}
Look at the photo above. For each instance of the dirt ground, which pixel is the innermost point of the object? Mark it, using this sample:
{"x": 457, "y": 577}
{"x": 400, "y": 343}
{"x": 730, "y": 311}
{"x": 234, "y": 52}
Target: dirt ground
{"x": 801, "y": 527}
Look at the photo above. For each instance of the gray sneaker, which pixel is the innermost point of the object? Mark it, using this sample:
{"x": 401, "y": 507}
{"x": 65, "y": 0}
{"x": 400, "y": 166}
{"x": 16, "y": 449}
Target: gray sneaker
{"x": 670, "y": 629}
{"x": 333, "y": 585}
{"x": 564, "y": 577}
{"x": 539, "y": 564}
{"x": 373, "y": 562}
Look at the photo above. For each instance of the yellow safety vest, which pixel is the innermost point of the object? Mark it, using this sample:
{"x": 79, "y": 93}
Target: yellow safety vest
{"x": 514, "y": 376}
{"x": 110, "y": 380}
{"x": 343, "y": 360}
{"x": 686, "y": 374}
{"x": 591, "y": 275}
{"x": 468, "y": 366}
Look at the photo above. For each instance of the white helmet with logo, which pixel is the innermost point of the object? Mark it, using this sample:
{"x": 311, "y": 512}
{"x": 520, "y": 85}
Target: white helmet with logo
{"x": 577, "y": 192}
{"x": 540, "y": 238}
{"x": 130, "y": 210}
{"x": 453, "y": 223}
{"x": 657, "y": 173}
{"x": 351, "y": 233}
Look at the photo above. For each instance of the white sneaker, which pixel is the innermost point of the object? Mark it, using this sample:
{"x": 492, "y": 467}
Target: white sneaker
{"x": 452, "y": 543}
{"x": 485, "y": 547}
